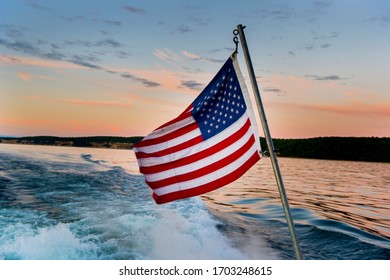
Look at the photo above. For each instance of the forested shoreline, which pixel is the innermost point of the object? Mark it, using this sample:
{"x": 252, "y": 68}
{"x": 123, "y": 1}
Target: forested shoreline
{"x": 373, "y": 149}
{"x": 334, "y": 148}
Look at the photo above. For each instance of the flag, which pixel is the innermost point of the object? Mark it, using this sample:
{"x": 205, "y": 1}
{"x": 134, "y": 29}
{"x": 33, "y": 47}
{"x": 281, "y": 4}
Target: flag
{"x": 211, "y": 144}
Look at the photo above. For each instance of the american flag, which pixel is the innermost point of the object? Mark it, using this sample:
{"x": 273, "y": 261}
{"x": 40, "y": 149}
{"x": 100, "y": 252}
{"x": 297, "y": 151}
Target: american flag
{"x": 211, "y": 144}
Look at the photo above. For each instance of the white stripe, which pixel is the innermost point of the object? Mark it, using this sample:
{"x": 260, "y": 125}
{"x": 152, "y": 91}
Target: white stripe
{"x": 200, "y": 163}
{"x": 144, "y": 162}
{"x": 226, "y": 170}
{"x": 248, "y": 102}
{"x": 170, "y": 128}
{"x": 171, "y": 143}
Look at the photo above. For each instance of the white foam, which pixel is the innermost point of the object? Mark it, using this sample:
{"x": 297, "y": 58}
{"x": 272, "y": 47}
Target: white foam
{"x": 55, "y": 243}
{"x": 190, "y": 236}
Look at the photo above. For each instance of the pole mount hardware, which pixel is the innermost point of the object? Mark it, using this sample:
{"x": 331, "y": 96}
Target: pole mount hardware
{"x": 235, "y": 40}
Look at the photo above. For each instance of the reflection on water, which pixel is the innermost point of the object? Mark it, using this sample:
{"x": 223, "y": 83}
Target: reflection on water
{"x": 353, "y": 193}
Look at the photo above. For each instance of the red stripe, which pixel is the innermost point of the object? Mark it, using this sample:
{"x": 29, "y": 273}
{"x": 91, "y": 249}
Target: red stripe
{"x": 186, "y": 113}
{"x": 206, "y": 169}
{"x": 170, "y": 150}
{"x": 209, "y": 186}
{"x": 197, "y": 156}
{"x": 169, "y": 136}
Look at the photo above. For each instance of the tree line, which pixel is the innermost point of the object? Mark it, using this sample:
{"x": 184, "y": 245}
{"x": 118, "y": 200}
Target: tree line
{"x": 334, "y": 148}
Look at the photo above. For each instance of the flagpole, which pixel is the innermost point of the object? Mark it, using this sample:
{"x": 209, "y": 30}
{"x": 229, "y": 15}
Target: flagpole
{"x": 270, "y": 144}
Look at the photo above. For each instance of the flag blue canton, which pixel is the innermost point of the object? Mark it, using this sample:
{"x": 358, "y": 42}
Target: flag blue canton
{"x": 220, "y": 104}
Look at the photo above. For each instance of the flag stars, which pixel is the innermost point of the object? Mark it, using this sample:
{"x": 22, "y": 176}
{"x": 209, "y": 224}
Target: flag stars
{"x": 220, "y": 105}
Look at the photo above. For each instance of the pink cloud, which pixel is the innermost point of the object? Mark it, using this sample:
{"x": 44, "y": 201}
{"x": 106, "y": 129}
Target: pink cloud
{"x": 24, "y": 76}
{"x": 166, "y": 55}
{"x": 27, "y": 76}
{"x": 20, "y": 60}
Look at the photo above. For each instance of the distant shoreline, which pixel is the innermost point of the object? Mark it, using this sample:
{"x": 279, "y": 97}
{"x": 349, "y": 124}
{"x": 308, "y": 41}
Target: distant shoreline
{"x": 371, "y": 149}
{"x": 105, "y": 142}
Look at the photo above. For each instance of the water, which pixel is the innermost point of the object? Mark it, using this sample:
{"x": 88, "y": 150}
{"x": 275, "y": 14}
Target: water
{"x": 74, "y": 203}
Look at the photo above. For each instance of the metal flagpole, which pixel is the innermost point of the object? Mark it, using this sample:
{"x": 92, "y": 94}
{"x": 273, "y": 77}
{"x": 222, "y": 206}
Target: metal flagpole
{"x": 270, "y": 144}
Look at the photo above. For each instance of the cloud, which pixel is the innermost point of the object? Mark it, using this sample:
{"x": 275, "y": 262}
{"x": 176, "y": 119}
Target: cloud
{"x": 199, "y": 21}
{"x": 384, "y": 20}
{"x": 146, "y": 82}
{"x": 109, "y": 43}
{"x": 332, "y": 35}
{"x": 325, "y": 46}
{"x": 190, "y": 84}
{"x": 113, "y": 22}
{"x": 75, "y": 18}
{"x": 318, "y": 8}
{"x": 183, "y": 29}
{"x": 123, "y": 54}
{"x": 133, "y": 10}
{"x": 27, "y": 76}
{"x": 5, "y": 59}
{"x": 88, "y": 60}
{"x": 278, "y": 91}
{"x": 308, "y": 47}
{"x": 24, "y": 76}
{"x": 12, "y": 60}
{"x": 100, "y": 43}
{"x": 279, "y": 14}
{"x": 54, "y": 55}
{"x": 11, "y": 30}
{"x": 85, "y": 64}
{"x": 291, "y": 53}
{"x": 35, "y": 4}
{"x": 325, "y": 78}
{"x": 20, "y": 46}
{"x": 200, "y": 58}
{"x": 166, "y": 55}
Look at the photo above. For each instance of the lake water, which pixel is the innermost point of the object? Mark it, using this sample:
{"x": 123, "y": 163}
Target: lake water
{"x": 82, "y": 203}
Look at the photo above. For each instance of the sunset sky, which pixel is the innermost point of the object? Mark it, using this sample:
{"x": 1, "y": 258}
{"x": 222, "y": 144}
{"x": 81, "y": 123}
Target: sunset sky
{"x": 83, "y": 68}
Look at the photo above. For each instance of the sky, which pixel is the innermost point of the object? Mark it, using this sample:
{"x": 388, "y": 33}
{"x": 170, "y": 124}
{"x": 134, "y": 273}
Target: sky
{"x": 123, "y": 68}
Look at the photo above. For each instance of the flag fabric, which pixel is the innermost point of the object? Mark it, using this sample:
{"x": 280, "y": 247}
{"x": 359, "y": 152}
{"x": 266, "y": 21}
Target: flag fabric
{"x": 211, "y": 144}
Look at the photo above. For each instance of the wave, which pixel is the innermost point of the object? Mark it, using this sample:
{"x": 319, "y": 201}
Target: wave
{"x": 80, "y": 211}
